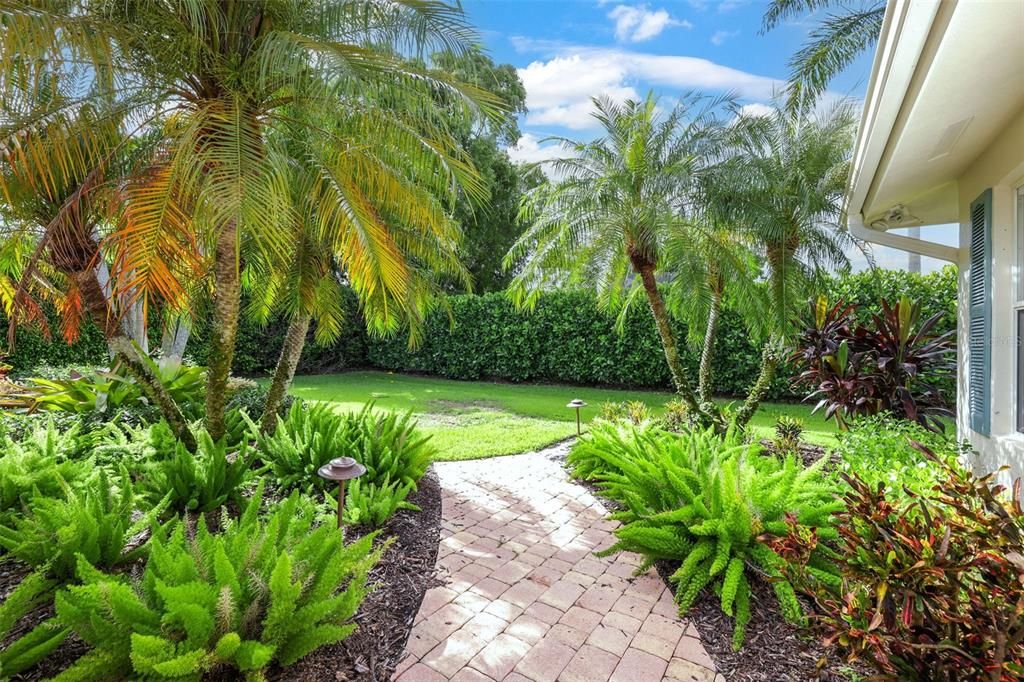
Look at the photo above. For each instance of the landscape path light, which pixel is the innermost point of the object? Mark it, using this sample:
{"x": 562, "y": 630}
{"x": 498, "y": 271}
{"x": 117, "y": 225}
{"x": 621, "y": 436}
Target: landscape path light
{"x": 577, "y": 404}
{"x": 341, "y": 469}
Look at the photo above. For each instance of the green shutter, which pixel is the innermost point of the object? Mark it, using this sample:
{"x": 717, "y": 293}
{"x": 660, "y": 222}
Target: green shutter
{"x": 980, "y": 315}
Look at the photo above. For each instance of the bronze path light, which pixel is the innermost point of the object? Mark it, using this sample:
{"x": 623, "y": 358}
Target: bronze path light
{"x": 577, "y": 404}
{"x": 341, "y": 469}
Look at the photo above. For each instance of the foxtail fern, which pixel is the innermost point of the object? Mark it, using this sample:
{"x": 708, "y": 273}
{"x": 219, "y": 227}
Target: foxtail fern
{"x": 705, "y": 500}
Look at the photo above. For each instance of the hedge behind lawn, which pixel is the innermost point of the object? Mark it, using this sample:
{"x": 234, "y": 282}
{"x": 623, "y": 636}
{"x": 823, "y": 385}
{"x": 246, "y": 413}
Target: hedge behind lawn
{"x": 566, "y": 339}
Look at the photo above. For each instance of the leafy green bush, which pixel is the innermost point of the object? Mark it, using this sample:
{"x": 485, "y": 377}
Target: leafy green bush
{"x": 39, "y": 464}
{"x": 24, "y": 652}
{"x": 94, "y": 522}
{"x": 252, "y": 399}
{"x": 201, "y": 482}
{"x": 387, "y": 444}
{"x": 255, "y": 594}
{"x": 634, "y": 411}
{"x": 880, "y": 451}
{"x": 788, "y": 431}
{"x": 372, "y": 504}
{"x": 107, "y": 391}
{"x": 705, "y": 501}
{"x": 933, "y": 584}
{"x": 309, "y": 437}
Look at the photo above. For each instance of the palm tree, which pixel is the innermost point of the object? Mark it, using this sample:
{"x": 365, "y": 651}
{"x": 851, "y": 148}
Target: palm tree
{"x": 702, "y": 267}
{"x": 605, "y": 223}
{"x": 218, "y": 83}
{"x": 58, "y": 210}
{"x": 783, "y": 189}
{"x": 834, "y": 44}
{"x": 307, "y": 285}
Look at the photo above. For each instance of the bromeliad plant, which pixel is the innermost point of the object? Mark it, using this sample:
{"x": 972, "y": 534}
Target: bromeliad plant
{"x": 895, "y": 365}
{"x": 232, "y": 603}
{"x": 932, "y": 586}
{"x": 707, "y": 501}
{"x": 104, "y": 391}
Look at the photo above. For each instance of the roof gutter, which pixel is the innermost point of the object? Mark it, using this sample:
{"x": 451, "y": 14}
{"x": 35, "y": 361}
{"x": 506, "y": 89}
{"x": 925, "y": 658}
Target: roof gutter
{"x": 857, "y": 228}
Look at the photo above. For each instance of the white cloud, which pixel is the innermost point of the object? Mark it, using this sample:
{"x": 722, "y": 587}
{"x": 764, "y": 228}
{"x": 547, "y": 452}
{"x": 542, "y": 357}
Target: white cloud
{"x": 558, "y": 90}
{"x": 720, "y": 37}
{"x": 757, "y": 109}
{"x": 531, "y": 149}
{"x": 639, "y": 23}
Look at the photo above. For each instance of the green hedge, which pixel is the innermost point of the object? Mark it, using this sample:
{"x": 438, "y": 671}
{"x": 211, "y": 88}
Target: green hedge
{"x": 566, "y": 339}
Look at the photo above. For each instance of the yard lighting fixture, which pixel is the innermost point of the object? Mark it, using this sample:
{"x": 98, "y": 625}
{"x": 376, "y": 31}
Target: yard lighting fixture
{"x": 341, "y": 469}
{"x": 576, "y": 404}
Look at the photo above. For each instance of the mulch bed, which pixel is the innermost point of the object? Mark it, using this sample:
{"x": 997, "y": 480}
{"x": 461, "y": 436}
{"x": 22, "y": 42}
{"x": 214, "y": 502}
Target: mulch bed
{"x": 386, "y": 616}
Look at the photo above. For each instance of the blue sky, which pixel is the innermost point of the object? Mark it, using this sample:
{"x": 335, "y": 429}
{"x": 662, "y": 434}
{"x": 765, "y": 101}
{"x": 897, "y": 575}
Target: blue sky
{"x": 567, "y": 51}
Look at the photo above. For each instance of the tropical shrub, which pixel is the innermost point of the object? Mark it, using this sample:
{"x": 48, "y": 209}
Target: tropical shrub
{"x": 24, "y": 652}
{"x": 306, "y": 439}
{"x": 932, "y": 586}
{"x": 108, "y": 391}
{"x": 200, "y": 482}
{"x": 898, "y": 363}
{"x": 94, "y": 522}
{"x": 251, "y": 399}
{"x": 39, "y": 464}
{"x": 372, "y": 504}
{"x": 634, "y": 411}
{"x": 235, "y": 602}
{"x": 676, "y": 416}
{"x": 395, "y": 456}
{"x": 705, "y": 501}
{"x": 881, "y": 451}
{"x": 788, "y": 431}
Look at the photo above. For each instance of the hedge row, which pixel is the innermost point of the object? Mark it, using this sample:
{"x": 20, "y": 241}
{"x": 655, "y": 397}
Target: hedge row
{"x": 566, "y": 339}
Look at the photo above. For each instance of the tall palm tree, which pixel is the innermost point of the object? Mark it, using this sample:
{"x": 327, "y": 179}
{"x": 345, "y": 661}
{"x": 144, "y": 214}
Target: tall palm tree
{"x": 220, "y": 81}
{"x": 784, "y": 192}
{"x": 605, "y": 222}
{"x": 845, "y": 33}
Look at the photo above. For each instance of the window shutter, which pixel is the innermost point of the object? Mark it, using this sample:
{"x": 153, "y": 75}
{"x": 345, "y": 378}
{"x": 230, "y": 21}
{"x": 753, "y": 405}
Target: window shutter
{"x": 980, "y": 314}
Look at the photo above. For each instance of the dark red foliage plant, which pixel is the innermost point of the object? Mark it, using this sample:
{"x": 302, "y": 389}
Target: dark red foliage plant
{"x": 932, "y": 588}
{"x": 895, "y": 364}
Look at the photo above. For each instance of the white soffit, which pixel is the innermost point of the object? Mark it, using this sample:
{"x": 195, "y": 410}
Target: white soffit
{"x": 969, "y": 84}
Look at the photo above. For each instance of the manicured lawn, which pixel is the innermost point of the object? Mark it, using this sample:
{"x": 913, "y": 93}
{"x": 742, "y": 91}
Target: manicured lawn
{"x": 470, "y": 419}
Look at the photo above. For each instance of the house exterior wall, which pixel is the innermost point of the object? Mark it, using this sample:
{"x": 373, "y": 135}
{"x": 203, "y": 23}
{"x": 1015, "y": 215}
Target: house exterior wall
{"x": 1001, "y": 168}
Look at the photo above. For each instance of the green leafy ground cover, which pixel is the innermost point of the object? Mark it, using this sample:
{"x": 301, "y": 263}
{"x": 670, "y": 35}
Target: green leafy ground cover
{"x": 471, "y": 419}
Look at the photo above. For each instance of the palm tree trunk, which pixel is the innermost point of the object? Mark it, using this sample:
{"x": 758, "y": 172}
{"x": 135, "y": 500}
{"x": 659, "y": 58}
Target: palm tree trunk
{"x": 226, "y": 303}
{"x": 668, "y": 339}
{"x": 124, "y": 351}
{"x": 291, "y": 351}
{"x": 174, "y": 341}
{"x": 707, "y": 353}
{"x": 770, "y": 357}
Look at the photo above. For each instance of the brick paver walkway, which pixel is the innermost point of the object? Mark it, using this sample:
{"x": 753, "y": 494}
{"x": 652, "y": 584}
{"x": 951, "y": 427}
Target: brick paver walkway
{"x": 526, "y": 599}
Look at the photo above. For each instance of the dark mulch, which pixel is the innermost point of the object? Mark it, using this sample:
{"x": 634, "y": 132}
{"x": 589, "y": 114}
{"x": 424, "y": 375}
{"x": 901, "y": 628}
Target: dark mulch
{"x": 386, "y": 616}
{"x": 773, "y": 651}
{"x": 11, "y": 574}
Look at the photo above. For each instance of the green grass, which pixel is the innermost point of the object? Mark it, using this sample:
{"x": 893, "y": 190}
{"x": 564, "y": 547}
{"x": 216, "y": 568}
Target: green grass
{"x": 472, "y": 419}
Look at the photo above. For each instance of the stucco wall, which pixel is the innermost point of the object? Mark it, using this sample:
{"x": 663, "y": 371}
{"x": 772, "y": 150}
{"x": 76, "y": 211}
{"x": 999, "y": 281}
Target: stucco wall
{"x": 1001, "y": 168}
